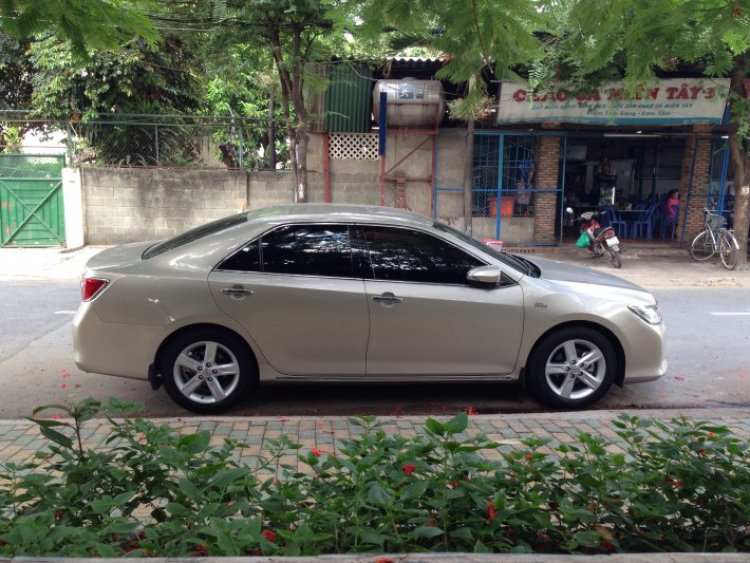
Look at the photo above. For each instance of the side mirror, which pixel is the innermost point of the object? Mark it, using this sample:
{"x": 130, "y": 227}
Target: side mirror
{"x": 486, "y": 276}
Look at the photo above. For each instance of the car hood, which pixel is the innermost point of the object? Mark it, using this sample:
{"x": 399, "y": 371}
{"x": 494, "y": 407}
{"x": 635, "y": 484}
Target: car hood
{"x": 555, "y": 271}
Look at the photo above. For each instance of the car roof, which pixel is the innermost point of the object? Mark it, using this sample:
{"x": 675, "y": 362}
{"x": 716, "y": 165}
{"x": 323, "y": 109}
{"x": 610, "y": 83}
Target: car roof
{"x": 338, "y": 213}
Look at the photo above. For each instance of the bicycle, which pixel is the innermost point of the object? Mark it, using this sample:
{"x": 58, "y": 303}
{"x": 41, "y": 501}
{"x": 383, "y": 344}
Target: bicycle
{"x": 715, "y": 237}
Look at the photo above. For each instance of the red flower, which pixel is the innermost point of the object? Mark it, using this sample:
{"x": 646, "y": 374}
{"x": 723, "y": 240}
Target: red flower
{"x": 490, "y": 510}
{"x": 529, "y": 456}
{"x": 701, "y": 452}
{"x": 64, "y": 385}
{"x": 471, "y": 412}
{"x": 677, "y": 483}
{"x": 270, "y": 535}
{"x": 667, "y": 479}
{"x": 201, "y": 550}
{"x": 409, "y": 468}
{"x": 711, "y": 434}
{"x": 316, "y": 452}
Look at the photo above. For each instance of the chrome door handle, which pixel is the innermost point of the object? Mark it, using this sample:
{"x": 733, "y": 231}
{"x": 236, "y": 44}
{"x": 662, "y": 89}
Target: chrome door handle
{"x": 236, "y": 292}
{"x": 387, "y": 299}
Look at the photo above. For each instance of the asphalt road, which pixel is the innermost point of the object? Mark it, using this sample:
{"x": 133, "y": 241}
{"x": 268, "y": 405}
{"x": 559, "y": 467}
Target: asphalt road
{"x": 708, "y": 348}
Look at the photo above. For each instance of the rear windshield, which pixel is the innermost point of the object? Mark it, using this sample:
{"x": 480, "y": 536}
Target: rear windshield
{"x": 195, "y": 234}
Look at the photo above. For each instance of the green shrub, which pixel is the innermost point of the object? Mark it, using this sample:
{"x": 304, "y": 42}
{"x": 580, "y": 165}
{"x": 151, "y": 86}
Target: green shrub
{"x": 682, "y": 486}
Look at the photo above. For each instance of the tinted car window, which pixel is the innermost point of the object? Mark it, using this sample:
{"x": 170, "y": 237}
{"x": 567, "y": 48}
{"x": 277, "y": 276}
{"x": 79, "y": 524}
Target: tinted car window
{"x": 413, "y": 256}
{"x": 312, "y": 250}
{"x": 247, "y": 259}
{"x": 195, "y": 234}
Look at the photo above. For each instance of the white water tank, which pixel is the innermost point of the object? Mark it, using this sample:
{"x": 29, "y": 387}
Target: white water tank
{"x": 411, "y": 102}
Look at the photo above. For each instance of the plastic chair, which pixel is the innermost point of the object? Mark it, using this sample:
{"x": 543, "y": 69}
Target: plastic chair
{"x": 646, "y": 222}
{"x": 608, "y": 218}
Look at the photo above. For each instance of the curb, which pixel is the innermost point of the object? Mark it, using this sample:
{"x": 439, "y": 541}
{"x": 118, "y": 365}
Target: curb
{"x": 429, "y": 558}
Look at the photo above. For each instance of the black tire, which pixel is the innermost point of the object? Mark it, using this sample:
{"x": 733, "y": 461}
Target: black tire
{"x": 702, "y": 247}
{"x": 199, "y": 385}
{"x": 614, "y": 256}
{"x": 550, "y": 381}
{"x": 728, "y": 251}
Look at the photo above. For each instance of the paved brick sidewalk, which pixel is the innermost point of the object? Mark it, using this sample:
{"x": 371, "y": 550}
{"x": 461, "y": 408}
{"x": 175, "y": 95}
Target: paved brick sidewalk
{"x": 20, "y": 440}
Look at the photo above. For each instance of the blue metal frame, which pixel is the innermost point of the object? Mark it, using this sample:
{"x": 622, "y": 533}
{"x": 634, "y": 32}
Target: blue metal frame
{"x": 491, "y": 153}
{"x": 719, "y": 146}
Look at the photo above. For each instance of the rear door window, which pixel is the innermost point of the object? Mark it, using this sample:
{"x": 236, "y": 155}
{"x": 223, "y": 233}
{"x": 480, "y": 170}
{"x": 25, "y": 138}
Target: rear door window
{"x": 308, "y": 250}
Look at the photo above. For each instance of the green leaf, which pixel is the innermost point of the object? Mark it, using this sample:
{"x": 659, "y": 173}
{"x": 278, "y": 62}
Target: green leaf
{"x": 426, "y": 532}
{"x": 415, "y": 490}
{"x": 104, "y": 550}
{"x": 458, "y": 423}
{"x": 378, "y": 496}
{"x": 479, "y": 547}
{"x": 57, "y": 437}
{"x": 435, "y": 427}
{"x": 230, "y": 476}
{"x": 195, "y": 443}
{"x": 120, "y": 528}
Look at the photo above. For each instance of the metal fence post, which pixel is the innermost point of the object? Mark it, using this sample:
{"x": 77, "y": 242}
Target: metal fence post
{"x": 71, "y": 148}
{"x": 156, "y": 137}
{"x": 241, "y": 148}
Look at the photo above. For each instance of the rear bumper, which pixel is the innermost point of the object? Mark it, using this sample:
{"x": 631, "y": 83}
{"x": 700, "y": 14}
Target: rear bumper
{"x": 123, "y": 350}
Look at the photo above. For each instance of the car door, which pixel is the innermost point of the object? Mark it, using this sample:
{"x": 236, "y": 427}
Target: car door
{"x": 425, "y": 319}
{"x": 300, "y": 295}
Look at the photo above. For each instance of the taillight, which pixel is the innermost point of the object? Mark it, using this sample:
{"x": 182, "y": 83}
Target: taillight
{"x": 91, "y": 287}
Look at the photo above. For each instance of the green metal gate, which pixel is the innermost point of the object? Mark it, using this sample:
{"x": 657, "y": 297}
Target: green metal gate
{"x": 31, "y": 200}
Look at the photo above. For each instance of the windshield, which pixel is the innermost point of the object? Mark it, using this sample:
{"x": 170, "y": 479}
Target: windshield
{"x": 195, "y": 234}
{"x": 516, "y": 262}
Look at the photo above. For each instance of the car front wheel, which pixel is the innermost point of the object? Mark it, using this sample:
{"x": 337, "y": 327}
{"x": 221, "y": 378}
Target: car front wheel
{"x": 207, "y": 371}
{"x": 573, "y": 368}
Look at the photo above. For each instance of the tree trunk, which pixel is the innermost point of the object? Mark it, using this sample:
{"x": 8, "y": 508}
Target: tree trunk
{"x": 302, "y": 141}
{"x": 740, "y": 148}
{"x": 272, "y": 129}
{"x": 292, "y": 84}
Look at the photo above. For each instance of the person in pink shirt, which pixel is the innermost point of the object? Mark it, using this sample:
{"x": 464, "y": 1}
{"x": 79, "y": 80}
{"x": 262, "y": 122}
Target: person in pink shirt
{"x": 673, "y": 204}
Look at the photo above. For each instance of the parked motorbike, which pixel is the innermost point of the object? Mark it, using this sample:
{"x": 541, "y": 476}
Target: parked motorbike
{"x": 603, "y": 240}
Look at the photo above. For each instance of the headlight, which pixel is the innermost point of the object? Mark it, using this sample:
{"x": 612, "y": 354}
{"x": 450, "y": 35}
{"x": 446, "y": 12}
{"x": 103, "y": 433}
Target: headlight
{"x": 649, "y": 313}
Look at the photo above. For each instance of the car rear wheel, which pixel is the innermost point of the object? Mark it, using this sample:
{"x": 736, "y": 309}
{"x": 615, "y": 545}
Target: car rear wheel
{"x": 207, "y": 371}
{"x": 573, "y": 368}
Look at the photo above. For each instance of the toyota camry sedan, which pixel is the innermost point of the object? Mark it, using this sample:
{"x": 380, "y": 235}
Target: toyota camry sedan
{"x": 322, "y": 293}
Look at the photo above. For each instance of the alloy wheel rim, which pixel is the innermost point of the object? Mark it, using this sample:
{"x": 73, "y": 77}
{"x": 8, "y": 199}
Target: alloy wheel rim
{"x": 206, "y": 372}
{"x": 575, "y": 369}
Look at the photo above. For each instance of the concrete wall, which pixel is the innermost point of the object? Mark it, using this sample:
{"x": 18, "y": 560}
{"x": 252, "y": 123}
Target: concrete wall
{"x": 127, "y": 205}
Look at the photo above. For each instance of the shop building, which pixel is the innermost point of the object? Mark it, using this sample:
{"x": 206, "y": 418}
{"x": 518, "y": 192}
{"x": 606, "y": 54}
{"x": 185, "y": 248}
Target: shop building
{"x": 529, "y": 159}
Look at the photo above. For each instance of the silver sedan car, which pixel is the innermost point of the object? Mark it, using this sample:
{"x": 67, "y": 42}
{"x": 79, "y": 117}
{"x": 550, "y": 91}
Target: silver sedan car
{"x": 352, "y": 293}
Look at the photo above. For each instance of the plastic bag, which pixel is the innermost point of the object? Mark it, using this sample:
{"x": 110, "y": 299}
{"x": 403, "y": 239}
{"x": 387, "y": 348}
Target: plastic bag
{"x": 583, "y": 241}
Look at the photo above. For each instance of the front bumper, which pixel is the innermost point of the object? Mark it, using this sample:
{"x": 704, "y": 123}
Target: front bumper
{"x": 643, "y": 345}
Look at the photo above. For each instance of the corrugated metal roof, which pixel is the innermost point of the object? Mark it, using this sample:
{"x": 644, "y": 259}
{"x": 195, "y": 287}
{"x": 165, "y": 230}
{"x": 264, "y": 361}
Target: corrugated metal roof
{"x": 418, "y": 59}
{"x": 349, "y": 98}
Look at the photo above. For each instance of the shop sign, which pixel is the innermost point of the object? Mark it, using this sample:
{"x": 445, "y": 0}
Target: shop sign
{"x": 667, "y": 102}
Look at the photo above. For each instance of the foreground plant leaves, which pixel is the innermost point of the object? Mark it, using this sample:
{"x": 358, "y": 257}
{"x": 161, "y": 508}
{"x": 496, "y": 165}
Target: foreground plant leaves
{"x": 682, "y": 486}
